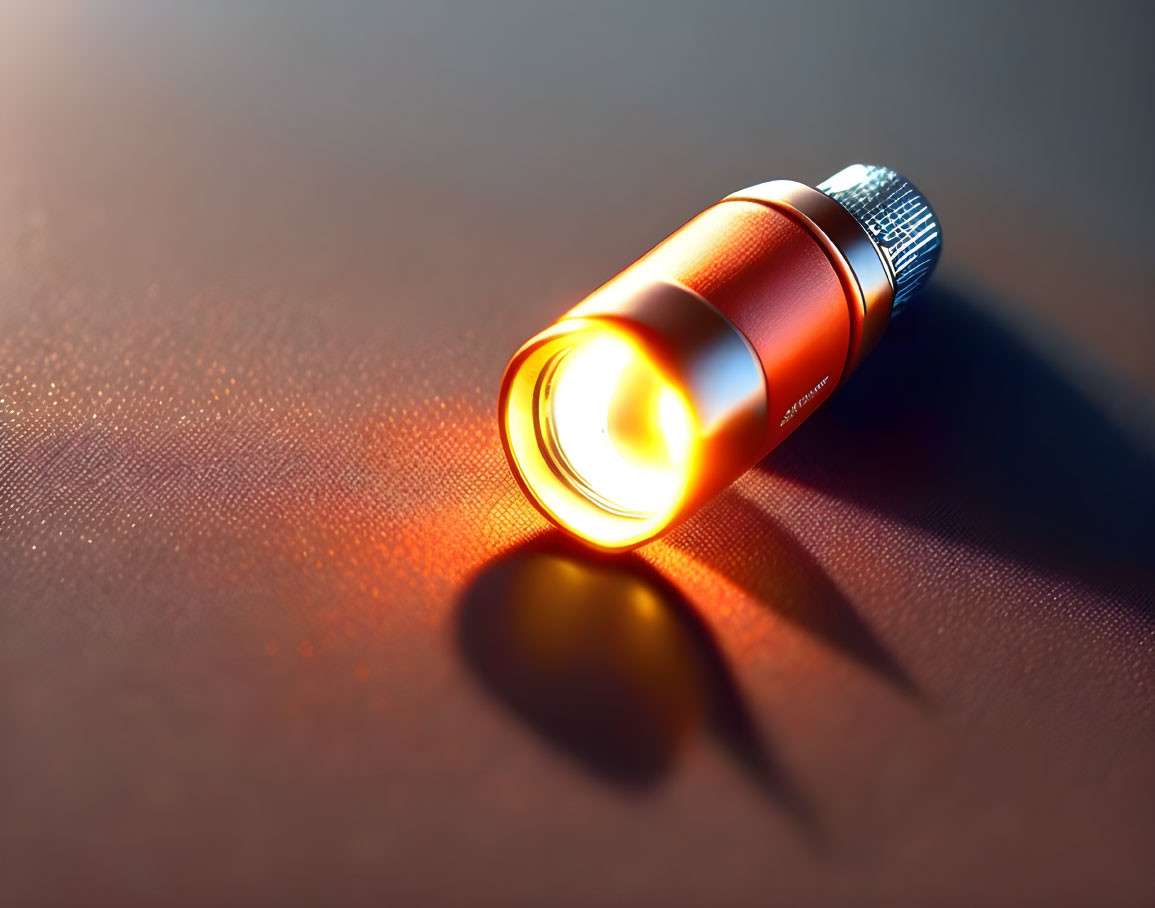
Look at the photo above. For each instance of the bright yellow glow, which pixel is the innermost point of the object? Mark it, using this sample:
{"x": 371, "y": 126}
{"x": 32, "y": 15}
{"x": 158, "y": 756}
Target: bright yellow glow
{"x": 602, "y": 439}
{"x": 622, "y": 434}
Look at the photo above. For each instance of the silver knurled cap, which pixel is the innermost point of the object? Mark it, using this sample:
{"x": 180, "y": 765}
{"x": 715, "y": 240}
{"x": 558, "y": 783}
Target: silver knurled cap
{"x": 897, "y": 217}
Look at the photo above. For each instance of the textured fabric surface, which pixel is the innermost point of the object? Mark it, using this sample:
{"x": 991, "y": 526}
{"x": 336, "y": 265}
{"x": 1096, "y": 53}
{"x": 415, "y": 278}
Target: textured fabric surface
{"x": 276, "y": 625}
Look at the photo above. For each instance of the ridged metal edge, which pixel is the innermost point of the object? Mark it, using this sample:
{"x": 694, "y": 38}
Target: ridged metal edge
{"x": 899, "y": 219}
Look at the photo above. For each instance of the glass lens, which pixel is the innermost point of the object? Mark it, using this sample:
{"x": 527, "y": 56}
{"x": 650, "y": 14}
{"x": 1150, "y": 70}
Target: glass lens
{"x": 617, "y": 431}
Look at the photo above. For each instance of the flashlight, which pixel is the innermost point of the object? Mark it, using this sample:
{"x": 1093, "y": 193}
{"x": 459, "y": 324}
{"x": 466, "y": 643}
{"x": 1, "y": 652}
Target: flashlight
{"x": 674, "y": 378}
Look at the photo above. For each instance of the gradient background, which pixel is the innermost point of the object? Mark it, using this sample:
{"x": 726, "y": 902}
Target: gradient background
{"x": 277, "y": 626}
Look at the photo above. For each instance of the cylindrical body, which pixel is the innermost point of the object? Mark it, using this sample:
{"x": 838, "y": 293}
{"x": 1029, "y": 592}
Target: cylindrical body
{"x": 768, "y": 260}
{"x": 755, "y": 310}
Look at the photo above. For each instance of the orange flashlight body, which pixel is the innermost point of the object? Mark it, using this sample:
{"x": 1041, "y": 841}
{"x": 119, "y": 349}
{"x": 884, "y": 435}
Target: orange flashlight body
{"x": 778, "y": 274}
{"x": 755, "y": 310}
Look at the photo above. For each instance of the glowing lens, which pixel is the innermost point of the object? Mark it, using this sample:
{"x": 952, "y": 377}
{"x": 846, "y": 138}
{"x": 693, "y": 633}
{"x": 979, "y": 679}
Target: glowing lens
{"x": 616, "y": 430}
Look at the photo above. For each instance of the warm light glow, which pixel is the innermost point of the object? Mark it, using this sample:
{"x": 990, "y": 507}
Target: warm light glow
{"x": 621, "y": 434}
{"x": 605, "y": 442}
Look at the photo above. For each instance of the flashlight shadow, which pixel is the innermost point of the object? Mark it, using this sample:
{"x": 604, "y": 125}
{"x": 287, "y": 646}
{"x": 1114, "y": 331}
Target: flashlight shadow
{"x": 762, "y": 557}
{"x": 956, "y": 425}
{"x": 608, "y": 661}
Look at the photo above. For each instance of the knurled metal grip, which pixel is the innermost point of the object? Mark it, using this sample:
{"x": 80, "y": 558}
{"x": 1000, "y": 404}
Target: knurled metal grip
{"x": 898, "y": 218}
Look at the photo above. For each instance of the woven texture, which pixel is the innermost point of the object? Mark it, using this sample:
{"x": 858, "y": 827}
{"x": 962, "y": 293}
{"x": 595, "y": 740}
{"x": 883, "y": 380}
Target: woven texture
{"x": 277, "y": 626}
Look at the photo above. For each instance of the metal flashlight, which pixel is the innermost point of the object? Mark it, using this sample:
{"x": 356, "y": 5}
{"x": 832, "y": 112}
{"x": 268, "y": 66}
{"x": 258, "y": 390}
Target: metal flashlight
{"x": 679, "y": 374}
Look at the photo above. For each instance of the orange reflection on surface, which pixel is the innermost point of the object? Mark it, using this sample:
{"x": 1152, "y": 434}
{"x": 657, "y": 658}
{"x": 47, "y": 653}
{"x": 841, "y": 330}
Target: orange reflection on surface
{"x": 152, "y": 455}
{"x": 160, "y": 447}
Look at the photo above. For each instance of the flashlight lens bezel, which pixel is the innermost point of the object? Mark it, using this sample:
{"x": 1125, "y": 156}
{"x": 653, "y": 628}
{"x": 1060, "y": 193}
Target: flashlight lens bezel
{"x": 540, "y": 464}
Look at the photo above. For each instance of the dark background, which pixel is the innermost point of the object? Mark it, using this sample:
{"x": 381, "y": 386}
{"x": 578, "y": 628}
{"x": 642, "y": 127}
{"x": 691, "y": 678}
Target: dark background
{"x": 277, "y": 626}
